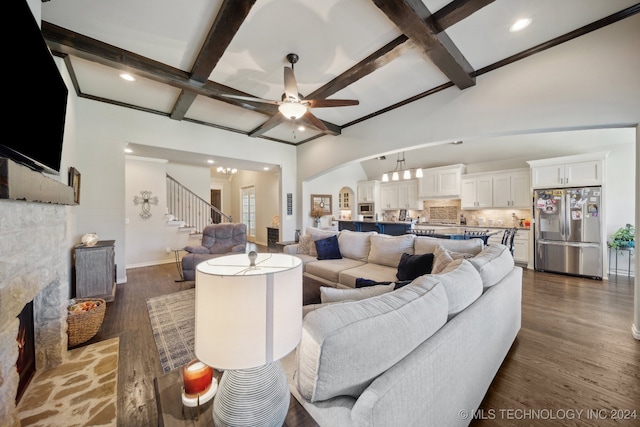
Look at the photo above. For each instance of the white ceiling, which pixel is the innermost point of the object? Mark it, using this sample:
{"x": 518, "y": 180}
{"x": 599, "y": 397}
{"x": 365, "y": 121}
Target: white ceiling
{"x": 330, "y": 36}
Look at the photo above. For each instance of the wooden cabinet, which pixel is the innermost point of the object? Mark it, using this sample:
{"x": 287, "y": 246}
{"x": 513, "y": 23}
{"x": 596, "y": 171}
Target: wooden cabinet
{"x": 569, "y": 171}
{"x": 95, "y": 270}
{"x": 440, "y": 182}
{"x": 476, "y": 192}
{"x": 511, "y": 190}
{"x": 399, "y": 195}
{"x": 368, "y": 191}
{"x": 273, "y": 235}
{"x": 388, "y": 196}
{"x": 344, "y": 200}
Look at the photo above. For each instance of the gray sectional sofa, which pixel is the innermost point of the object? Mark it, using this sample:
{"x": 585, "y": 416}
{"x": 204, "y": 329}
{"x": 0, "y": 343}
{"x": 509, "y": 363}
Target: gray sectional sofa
{"x": 423, "y": 354}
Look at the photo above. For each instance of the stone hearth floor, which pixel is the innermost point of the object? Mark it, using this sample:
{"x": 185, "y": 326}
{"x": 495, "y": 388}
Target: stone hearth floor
{"x": 80, "y": 392}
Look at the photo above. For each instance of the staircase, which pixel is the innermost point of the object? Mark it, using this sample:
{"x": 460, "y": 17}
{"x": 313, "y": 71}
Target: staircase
{"x": 189, "y": 210}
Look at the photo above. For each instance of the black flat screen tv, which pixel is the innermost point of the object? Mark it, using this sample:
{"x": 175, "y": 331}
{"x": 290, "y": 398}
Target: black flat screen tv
{"x": 38, "y": 95}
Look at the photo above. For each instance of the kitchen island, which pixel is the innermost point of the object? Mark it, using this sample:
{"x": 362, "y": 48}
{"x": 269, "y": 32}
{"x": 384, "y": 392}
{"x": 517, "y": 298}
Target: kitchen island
{"x": 383, "y": 227}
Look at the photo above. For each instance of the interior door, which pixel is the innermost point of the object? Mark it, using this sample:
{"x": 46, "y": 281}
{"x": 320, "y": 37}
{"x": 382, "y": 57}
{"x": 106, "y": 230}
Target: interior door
{"x": 216, "y": 200}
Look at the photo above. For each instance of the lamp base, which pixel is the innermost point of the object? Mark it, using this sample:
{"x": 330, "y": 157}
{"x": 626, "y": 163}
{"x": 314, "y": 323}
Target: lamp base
{"x": 252, "y": 397}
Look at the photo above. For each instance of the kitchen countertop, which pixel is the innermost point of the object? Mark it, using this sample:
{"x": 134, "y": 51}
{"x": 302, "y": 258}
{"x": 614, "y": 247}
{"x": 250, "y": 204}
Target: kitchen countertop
{"x": 484, "y": 227}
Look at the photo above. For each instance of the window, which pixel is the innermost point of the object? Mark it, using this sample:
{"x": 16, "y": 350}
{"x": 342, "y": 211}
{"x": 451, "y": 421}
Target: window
{"x": 249, "y": 211}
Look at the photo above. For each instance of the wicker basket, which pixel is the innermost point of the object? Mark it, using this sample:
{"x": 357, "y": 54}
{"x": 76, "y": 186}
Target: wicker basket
{"x": 84, "y": 326}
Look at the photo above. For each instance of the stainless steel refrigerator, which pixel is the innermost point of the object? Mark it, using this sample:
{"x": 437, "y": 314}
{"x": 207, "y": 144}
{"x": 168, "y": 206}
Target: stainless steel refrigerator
{"x": 567, "y": 231}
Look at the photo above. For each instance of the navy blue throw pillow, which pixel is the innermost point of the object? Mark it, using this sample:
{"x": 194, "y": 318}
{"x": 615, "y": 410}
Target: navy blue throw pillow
{"x": 328, "y": 248}
{"x": 413, "y": 266}
{"x": 363, "y": 283}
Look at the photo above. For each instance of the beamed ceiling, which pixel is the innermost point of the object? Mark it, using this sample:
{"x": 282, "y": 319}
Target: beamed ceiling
{"x": 187, "y": 56}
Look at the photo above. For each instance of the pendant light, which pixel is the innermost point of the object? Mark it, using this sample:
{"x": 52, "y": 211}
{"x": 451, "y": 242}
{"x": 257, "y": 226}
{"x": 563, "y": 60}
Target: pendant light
{"x": 401, "y": 170}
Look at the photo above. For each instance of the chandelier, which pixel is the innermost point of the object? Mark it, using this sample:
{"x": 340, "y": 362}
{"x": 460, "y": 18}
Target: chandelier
{"x": 227, "y": 171}
{"x": 401, "y": 170}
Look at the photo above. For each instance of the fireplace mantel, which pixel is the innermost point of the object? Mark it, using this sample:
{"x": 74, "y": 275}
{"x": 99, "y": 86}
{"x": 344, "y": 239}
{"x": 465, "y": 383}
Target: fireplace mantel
{"x": 18, "y": 182}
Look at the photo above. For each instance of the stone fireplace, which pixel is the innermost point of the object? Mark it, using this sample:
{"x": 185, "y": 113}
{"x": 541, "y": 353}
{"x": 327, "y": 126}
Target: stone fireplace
{"x": 35, "y": 265}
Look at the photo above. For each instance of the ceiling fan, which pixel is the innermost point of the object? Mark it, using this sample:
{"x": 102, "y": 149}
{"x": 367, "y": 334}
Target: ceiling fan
{"x": 293, "y": 106}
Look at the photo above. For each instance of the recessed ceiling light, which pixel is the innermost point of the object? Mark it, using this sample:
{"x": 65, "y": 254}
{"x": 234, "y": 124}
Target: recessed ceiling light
{"x": 456, "y": 142}
{"x": 301, "y": 128}
{"x": 128, "y": 77}
{"x": 266, "y": 168}
{"x": 210, "y": 161}
{"x": 128, "y": 150}
{"x": 520, "y": 24}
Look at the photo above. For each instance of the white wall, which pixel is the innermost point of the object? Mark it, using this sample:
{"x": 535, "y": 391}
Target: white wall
{"x": 590, "y": 81}
{"x": 330, "y": 183}
{"x": 621, "y": 191}
{"x": 146, "y": 240}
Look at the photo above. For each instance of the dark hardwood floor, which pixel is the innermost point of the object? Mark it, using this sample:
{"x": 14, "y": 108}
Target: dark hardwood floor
{"x": 574, "y": 352}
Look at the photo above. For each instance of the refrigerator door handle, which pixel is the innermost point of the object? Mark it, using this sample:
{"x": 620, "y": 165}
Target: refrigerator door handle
{"x": 572, "y": 244}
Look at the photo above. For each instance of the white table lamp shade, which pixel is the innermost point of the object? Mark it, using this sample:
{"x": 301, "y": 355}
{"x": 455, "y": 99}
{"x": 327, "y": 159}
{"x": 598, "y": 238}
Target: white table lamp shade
{"x": 247, "y": 317}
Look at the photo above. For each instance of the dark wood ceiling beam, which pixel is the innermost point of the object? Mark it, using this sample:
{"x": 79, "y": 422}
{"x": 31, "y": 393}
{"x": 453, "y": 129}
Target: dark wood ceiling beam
{"x": 412, "y": 18}
{"x": 449, "y": 15}
{"x": 371, "y": 63}
{"x": 456, "y": 11}
{"x": 68, "y": 42}
{"x": 231, "y": 15}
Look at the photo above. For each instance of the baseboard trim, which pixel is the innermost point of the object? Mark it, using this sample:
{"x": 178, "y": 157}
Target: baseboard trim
{"x": 635, "y": 332}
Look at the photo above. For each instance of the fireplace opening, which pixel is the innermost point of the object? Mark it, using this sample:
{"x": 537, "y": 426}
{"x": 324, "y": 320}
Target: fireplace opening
{"x": 26, "y": 364}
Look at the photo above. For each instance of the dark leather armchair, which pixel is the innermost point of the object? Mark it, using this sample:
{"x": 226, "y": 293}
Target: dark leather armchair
{"x": 217, "y": 240}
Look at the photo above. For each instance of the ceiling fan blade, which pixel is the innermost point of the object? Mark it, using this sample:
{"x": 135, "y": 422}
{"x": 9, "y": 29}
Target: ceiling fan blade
{"x": 290, "y": 85}
{"x": 273, "y": 121}
{"x": 313, "y": 121}
{"x": 320, "y": 103}
{"x": 252, "y": 99}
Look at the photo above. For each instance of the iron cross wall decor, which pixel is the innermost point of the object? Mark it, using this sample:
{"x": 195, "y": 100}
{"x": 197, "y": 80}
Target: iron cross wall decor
{"x": 146, "y": 201}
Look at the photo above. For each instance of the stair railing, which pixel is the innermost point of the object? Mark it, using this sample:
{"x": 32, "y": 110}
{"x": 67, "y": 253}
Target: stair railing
{"x": 187, "y": 206}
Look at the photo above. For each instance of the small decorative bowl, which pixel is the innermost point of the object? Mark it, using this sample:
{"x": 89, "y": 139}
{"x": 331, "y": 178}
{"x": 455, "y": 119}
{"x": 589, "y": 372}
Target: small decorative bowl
{"x": 90, "y": 239}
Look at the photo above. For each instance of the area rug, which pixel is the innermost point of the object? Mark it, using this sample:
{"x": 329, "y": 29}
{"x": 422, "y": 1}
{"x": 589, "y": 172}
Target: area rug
{"x": 172, "y": 319}
{"x": 83, "y": 391}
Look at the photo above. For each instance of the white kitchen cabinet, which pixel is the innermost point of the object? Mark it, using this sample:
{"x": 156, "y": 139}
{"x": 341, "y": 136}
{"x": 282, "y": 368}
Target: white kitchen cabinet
{"x": 476, "y": 191}
{"x": 511, "y": 189}
{"x": 388, "y": 196}
{"x": 399, "y": 195}
{"x": 521, "y": 249}
{"x": 569, "y": 171}
{"x": 368, "y": 191}
{"x": 440, "y": 182}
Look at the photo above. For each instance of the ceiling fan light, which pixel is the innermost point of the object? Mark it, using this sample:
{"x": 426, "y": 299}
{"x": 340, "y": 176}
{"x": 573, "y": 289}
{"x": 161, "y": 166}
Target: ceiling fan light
{"x": 395, "y": 176}
{"x": 385, "y": 177}
{"x": 292, "y": 110}
{"x": 407, "y": 174}
{"x": 419, "y": 173}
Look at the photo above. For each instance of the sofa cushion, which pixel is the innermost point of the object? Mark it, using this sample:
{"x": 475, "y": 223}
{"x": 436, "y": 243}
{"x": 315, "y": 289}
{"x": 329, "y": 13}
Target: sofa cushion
{"x": 493, "y": 264}
{"x": 327, "y": 248}
{"x": 463, "y": 285}
{"x": 387, "y": 250}
{"x": 380, "y": 273}
{"x": 344, "y": 347}
{"x": 318, "y": 234}
{"x": 428, "y": 245}
{"x": 413, "y": 266}
{"x": 442, "y": 257}
{"x": 328, "y": 294}
{"x": 355, "y": 244}
{"x": 330, "y": 269}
